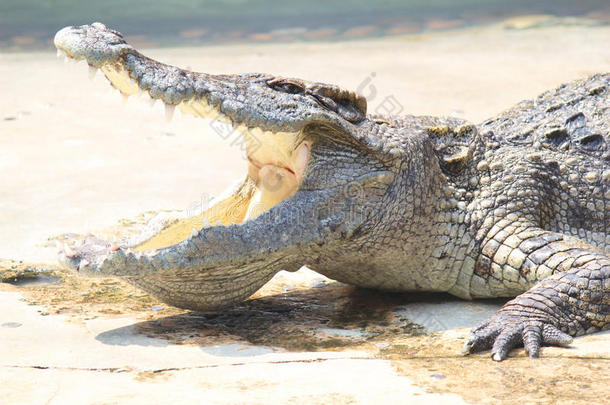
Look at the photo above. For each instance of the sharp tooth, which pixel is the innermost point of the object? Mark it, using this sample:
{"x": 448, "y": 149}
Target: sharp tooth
{"x": 169, "y": 112}
{"x": 152, "y": 101}
{"x": 300, "y": 160}
{"x": 60, "y": 53}
{"x": 92, "y": 72}
{"x": 69, "y": 251}
{"x": 206, "y": 223}
{"x": 195, "y": 233}
{"x": 219, "y": 223}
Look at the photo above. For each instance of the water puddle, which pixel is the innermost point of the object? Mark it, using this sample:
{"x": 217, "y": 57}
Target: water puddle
{"x": 236, "y": 350}
{"x": 349, "y": 333}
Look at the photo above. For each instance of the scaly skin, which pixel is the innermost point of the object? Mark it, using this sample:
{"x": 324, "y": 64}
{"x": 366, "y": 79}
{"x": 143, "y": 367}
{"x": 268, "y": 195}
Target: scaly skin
{"x": 516, "y": 206}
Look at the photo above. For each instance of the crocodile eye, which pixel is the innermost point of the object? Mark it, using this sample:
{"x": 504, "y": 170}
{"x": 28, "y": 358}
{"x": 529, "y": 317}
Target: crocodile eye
{"x": 291, "y": 88}
{"x": 286, "y": 87}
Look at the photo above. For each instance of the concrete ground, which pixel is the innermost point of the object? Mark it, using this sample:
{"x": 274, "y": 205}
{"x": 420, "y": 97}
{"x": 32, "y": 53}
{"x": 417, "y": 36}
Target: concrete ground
{"x": 74, "y": 160}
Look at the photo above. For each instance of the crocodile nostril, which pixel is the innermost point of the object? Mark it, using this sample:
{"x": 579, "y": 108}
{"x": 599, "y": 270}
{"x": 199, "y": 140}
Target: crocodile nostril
{"x": 591, "y": 142}
{"x": 557, "y": 136}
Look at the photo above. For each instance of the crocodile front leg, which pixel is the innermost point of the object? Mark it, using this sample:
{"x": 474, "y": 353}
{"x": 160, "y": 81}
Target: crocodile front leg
{"x": 573, "y": 301}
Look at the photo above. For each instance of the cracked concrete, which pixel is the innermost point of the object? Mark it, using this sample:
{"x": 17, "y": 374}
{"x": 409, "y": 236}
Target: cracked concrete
{"x": 74, "y": 160}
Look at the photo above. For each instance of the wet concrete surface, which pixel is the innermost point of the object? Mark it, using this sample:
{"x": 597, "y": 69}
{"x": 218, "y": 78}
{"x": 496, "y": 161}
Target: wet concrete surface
{"x": 332, "y": 336}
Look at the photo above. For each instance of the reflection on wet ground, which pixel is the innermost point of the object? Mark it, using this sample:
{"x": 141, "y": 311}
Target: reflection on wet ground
{"x": 297, "y": 312}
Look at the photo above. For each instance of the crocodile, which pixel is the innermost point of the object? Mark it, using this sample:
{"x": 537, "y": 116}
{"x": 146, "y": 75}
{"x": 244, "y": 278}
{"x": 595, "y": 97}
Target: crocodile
{"x": 517, "y": 206}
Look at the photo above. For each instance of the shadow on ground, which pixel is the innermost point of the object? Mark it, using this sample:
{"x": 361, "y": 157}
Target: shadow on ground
{"x": 329, "y": 317}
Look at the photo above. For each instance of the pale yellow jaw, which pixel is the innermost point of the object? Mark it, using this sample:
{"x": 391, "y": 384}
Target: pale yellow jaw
{"x": 275, "y": 170}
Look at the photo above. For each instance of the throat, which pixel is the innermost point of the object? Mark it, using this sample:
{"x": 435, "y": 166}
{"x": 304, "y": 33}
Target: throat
{"x": 273, "y": 185}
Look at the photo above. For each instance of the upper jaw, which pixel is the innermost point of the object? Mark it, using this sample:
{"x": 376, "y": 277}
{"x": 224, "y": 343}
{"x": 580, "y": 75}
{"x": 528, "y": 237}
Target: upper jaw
{"x": 273, "y": 123}
{"x": 246, "y": 101}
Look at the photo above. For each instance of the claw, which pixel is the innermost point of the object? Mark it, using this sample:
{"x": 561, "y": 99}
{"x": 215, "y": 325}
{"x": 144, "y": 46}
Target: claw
{"x": 169, "y": 112}
{"x": 507, "y": 340}
{"x": 481, "y": 338}
{"x": 69, "y": 251}
{"x": 470, "y": 340}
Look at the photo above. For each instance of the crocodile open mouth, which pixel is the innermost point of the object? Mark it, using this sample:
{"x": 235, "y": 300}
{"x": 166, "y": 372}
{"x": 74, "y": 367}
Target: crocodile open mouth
{"x": 276, "y": 167}
{"x": 276, "y": 159}
{"x": 303, "y": 189}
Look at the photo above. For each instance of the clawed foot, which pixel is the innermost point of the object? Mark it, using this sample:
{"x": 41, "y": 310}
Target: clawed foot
{"x": 511, "y": 327}
{"x": 89, "y": 251}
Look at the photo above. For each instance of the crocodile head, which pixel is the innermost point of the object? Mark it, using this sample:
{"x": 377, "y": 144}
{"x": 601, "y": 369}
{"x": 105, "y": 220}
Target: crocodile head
{"x": 314, "y": 179}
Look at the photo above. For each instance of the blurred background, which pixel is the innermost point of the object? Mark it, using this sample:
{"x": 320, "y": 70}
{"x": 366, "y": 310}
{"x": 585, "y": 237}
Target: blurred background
{"x": 30, "y": 24}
